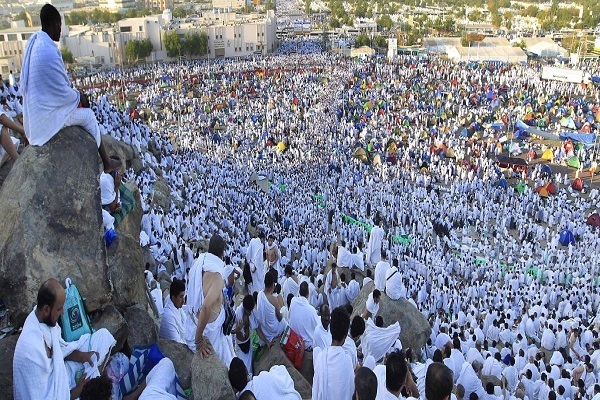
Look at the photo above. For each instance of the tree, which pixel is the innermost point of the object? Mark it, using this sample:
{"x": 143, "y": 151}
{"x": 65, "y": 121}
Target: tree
{"x": 270, "y": 5}
{"x": 307, "y": 7}
{"x": 172, "y": 43}
{"x": 334, "y": 22}
{"x": 385, "y": 21}
{"x": 179, "y": 12}
{"x": 22, "y": 16}
{"x": 361, "y": 40}
{"x": 195, "y": 44}
{"x": 67, "y": 56}
{"x": 380, "y": 41}
{"x": 138, "y": 49}
{"x": 496, "y": 20}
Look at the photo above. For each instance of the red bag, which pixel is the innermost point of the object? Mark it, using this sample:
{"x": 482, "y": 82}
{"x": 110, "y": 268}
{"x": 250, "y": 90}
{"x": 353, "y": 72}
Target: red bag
{"x": 293, "y": 347}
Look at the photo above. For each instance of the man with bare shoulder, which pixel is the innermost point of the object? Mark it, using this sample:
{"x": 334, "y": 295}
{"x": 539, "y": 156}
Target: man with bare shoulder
{"x": 206, "y": 312}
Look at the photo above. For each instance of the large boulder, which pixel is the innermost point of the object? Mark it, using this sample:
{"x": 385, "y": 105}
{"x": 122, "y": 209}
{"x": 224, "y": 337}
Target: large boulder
{"x": 276, "y": 356}
{"x": 162, "y": 195}
{"x": 182, "y": 357}
{"x": 51, "y": 225}
{"x": 126, "y": 259}
{"x": 415, "y": 329}
{"x": 111, "y": 319}
{"x": 7, "y": 352}
{"x": 119, "y": 149}
{"x": 143, "y": 330}
{"x": 210, "y": 379}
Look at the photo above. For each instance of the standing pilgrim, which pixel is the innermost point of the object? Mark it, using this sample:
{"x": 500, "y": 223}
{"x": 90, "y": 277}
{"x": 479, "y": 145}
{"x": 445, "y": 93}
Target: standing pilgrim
{"x": 206, "y": 312}
{"x": 375, "y": 241}
{"x": 254, "y": 256}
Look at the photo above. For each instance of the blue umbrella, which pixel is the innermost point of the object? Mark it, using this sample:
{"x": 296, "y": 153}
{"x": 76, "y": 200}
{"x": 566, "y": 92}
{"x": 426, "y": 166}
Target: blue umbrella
{"x": 546, "y": 170}
{"x": 567, "y": 238}
{"x": 502, "y": 183}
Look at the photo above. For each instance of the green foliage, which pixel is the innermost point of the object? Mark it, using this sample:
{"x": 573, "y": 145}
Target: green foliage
{"x": 476, "y": 16}
{"x": 270, "y": 5}
{"x": 307, "y": 8}
{"x": 67, "y": 56}
{"x": 138, "y": 49}
{"x": 172, "y": 43}
{"x": 334, "y": 22}
{"x": 385, "y": 21}
{"x": 180, "y": 12}
{"x": 380, "y": 41}
{"x": 22, "y": 16}
{"x": 362, "y": 40}
{"x": 520, "y": 44}
{"x": 99, "y": 16}
{"x": 195, "y": 44}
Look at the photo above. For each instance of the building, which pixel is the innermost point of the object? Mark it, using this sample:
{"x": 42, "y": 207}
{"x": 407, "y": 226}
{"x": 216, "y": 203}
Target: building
{"x": 490, "y": 49}
{"x": 158, "y": 4}
{"x": 12, "y": 46}
{"x": 230, "y": 35}
{"x": 93, "y": 46}
{"x": 230, "y": 4}
{"x": 117, "y": 5}
{"x": 61, "y": 5}
{"x": 151, "y": 27}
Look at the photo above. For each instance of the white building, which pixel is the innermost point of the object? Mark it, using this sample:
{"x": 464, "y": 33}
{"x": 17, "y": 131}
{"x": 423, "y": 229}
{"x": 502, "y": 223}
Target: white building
{"x": 117, "y": 5}
{"x": 230, "y": 35}
{"x": 12, "y": 46}
{"x": 61, "y": 5}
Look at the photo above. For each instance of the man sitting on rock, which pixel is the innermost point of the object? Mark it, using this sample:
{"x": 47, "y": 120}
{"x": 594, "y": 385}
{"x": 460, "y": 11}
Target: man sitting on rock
{"x": 273, "y": 384}
{"x": 290, "y": 284}
{"x": 172, "y": 322}
{"x": 372, "y": 305}
{"x": 109, "y": 191}
{"x": 44, "y": 365}
{"x": 50, "y": 103}
{"x": 7, "y": 143}
{"x": 245, "y": 322}
{"x": 204, "y": 331}
{"x": 268, "y": 312}
{"x": 303, "y": 317}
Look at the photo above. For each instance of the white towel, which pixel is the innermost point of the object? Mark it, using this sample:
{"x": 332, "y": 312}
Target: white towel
{"x": 273, "y": 384}
{"x": 48, "y": 98}
{"x": 35, "y": 375}
{"x": 378, "y": 341}
{"x": 265, "y": 314}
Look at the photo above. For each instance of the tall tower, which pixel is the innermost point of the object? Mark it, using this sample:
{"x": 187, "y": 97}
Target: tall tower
{"x": 392, "y": 48}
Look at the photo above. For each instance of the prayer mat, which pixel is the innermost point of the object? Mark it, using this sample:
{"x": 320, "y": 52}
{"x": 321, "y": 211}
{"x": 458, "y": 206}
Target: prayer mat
{"x": 127, "y": 204}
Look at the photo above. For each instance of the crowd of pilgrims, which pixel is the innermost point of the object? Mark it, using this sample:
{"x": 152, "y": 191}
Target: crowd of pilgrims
{"x": 483, "y": 263}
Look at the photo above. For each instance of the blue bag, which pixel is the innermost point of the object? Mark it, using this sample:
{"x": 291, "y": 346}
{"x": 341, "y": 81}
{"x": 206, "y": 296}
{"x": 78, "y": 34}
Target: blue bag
{"x": 74, "y": 321}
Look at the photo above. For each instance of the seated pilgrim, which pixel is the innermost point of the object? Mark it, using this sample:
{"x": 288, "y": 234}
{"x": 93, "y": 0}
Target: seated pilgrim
{"x": 303, "y": 316}
{"x": 273, "y": 384}
{"x": 44, "y": 365}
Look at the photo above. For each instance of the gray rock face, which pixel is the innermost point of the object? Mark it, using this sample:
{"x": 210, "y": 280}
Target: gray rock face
{"x": 276, "y": 356}
{"x": 182, "y": 357}
{"x": 210, "y": 379}
{"x": 143, "y": 330}
{"x": 51, "y": 225}
{"x": 111, "y": 319}
{"x": 414, "y": 326}
{"x": 7, "y": 352}
{"x": 126, "y": 260}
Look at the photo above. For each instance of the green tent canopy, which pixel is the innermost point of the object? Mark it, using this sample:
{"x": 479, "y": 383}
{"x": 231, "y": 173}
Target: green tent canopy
{"x": 574, "y": 162}
{"x": 520, "y": 187}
